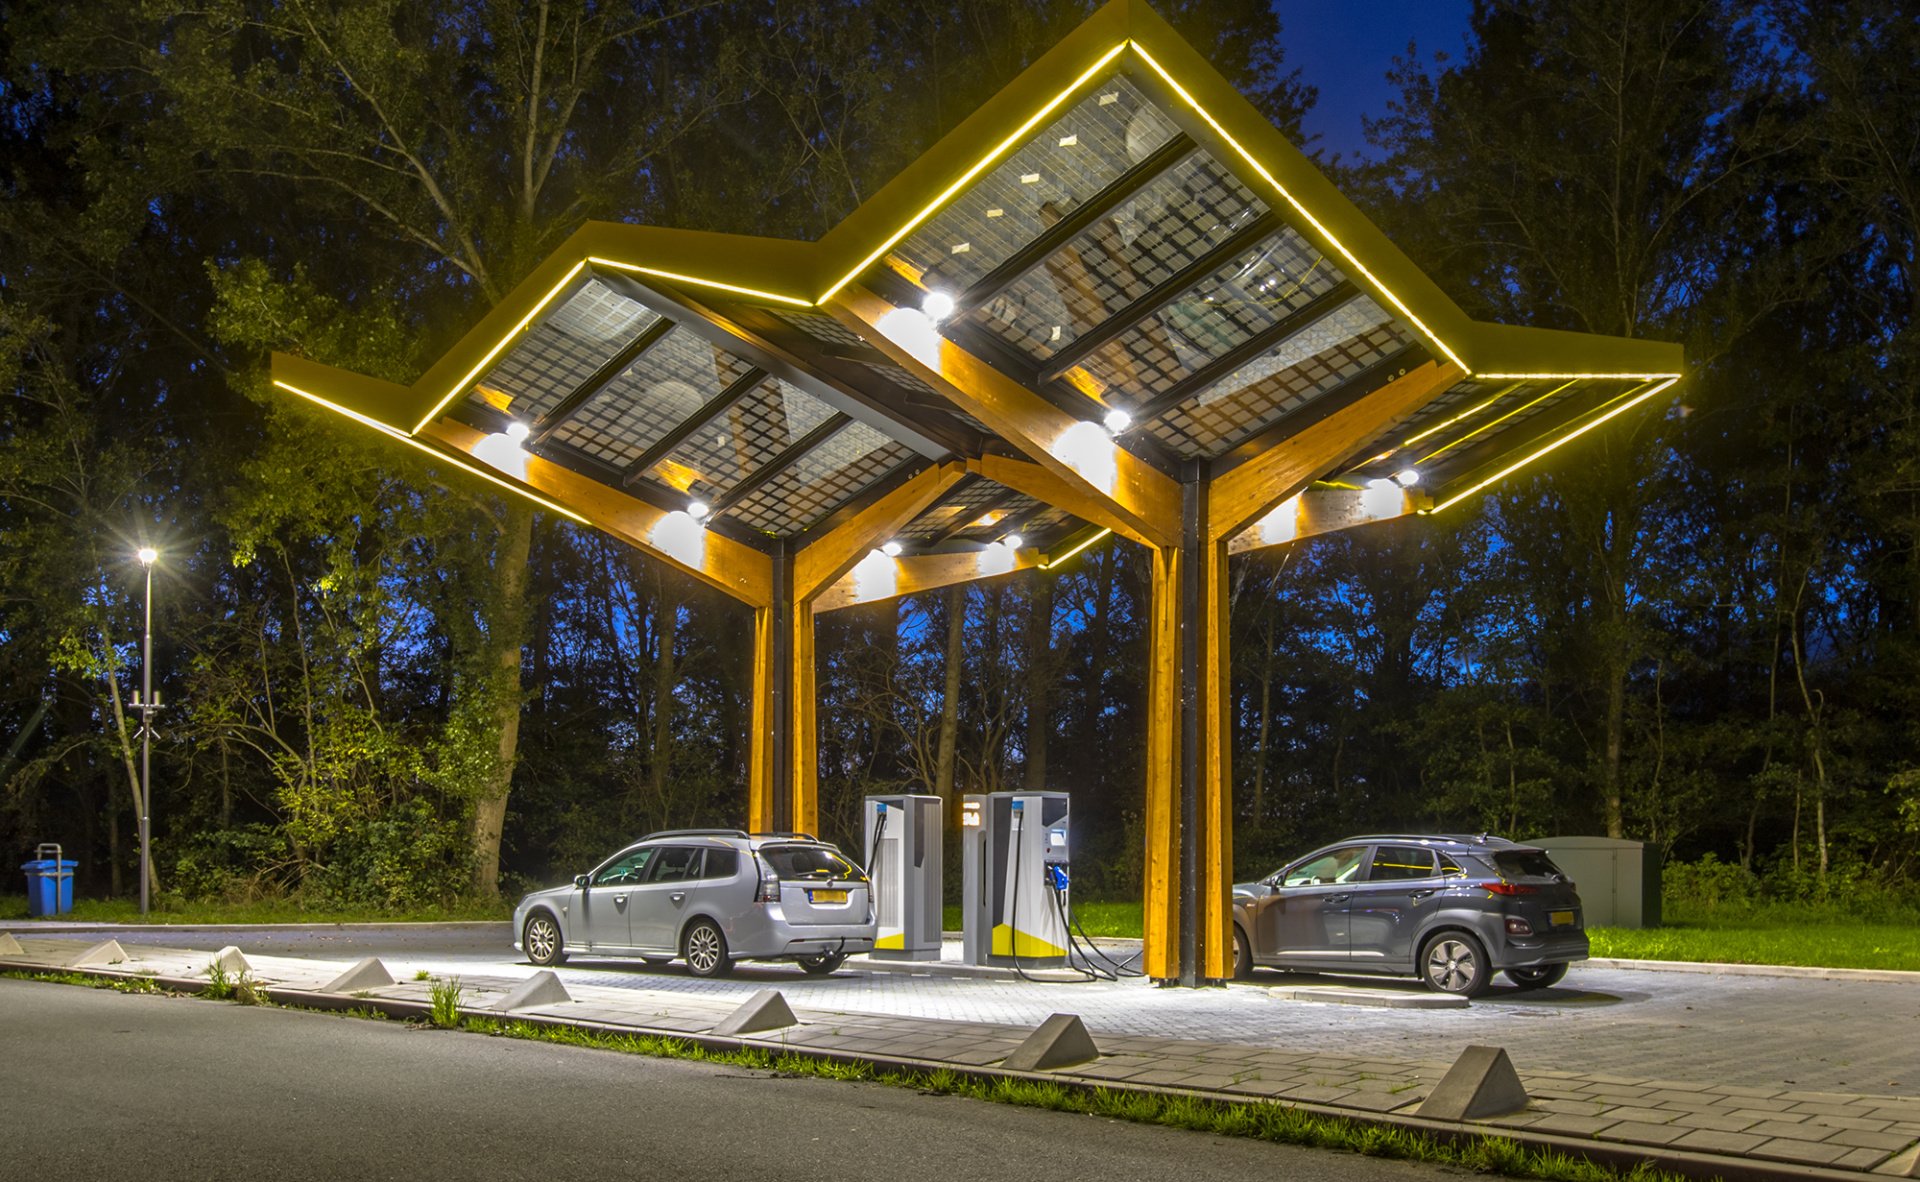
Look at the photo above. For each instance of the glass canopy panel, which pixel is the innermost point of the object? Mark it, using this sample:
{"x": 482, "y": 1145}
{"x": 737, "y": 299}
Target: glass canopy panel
{"x": 1145, "y": 241}
{"x": 667, "y": 385}
{"x": 560, "y": 353}
{"x": 964, "y": 504}
{"x": 827, "y": 478}
{"x": 1318, "y": 358}
{"x": 754, "y": 430}
{"x": 1250, "y": 294}
{"x": 1103, "y": 135}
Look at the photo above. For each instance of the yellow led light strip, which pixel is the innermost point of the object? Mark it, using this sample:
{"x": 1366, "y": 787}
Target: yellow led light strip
{"x": 1483, "y": 428}
{"x": 1355, "y": 263}
{"x": 1542, "y": 377}
{"x": 999, "y": 150}
{"x": 1461, "y": 417}
{"x": 1564, "y": 439}
{"x": 736, "y": 289}
{"x": 436, "y": 453}
{"x": 473, "y": 373}
{"x": 1052, "y": 562}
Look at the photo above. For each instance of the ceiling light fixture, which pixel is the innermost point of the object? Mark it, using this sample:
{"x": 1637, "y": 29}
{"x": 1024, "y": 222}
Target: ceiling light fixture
{"x": 1118, "y": 420}
{"x": 1407, "y": 477}
{"x": 891, "y": 549}
{"x": 698, "y": 510}
{"x": 938, "y": 306}
{"x": 518, "y": 431}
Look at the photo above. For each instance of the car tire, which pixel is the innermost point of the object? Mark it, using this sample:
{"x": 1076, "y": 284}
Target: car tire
{"x": 1242, "y": 955}
{"x": 1454, "y": 962}
{"x": 1544, "y": 976}
{"x": 542, "y": 940}
{"x": 705, "y": 949}
{"x": 823, "y": 964}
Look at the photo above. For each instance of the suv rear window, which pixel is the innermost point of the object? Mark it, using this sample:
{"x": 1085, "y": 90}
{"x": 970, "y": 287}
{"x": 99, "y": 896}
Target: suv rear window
{"x": 809, "y": 861}
{"x": 1526, "y": 864}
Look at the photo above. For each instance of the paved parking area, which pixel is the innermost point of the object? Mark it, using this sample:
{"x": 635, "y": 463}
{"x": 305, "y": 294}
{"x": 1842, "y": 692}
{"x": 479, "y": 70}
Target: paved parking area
{"x": 1773, "y": 1032}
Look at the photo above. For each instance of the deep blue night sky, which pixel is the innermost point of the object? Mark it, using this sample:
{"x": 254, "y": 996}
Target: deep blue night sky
{"x": 1345, "y": 48}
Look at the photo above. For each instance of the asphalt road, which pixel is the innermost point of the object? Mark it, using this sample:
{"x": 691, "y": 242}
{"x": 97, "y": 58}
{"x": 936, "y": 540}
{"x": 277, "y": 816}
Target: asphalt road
{"x": 97, "y": 1084}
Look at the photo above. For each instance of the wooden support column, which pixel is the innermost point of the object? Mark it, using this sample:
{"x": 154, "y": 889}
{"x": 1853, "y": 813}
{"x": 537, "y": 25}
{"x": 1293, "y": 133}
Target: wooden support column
{"x": 1161, "y": 878}
{"x": 1189, "y": 792}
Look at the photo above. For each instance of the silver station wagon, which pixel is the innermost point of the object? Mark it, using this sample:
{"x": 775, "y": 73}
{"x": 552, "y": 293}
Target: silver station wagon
{"x": 710, "y": 897}
{"x": 1452, "y": 910}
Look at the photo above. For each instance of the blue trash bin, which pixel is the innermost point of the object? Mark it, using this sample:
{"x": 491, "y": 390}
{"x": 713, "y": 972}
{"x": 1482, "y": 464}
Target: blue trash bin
{"x": 49, "y": 886}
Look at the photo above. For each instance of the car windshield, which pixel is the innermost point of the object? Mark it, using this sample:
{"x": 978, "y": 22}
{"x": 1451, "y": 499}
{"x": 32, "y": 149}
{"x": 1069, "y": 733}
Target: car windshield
{"x": 809, "y": 861}
{"x": 1526, "y": 864}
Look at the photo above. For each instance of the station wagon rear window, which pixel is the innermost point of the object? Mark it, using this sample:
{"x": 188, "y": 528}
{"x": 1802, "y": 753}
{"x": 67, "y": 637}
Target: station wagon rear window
{"x": 809, "y": 861}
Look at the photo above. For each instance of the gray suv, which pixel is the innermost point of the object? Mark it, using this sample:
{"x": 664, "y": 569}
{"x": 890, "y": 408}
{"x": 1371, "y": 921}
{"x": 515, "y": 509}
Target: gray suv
{"x": 1449, "y": 909}
{"x": 710, "y": 896}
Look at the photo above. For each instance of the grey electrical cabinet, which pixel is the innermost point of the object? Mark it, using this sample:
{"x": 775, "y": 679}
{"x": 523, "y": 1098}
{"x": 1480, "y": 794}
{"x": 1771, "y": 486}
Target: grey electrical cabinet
{"x": 903, "y": 865}
{"x": 1618, "y": 881}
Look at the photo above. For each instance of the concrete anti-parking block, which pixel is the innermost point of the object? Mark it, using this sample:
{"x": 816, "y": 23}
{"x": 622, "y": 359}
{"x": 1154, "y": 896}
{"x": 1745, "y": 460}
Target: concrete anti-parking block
{"x": 104, "y": 953}
{"x": 232, "y": 960}
{"x": 1061, "y": 1041}
{"x": 10, "y": 946}
{"x": 541, "y": 989}
{"x": 765, "y": 1010}
{"x": 1903, "y": 1165}
{"x": 367, "y": 974}
{"x": 1481, "y": 1083}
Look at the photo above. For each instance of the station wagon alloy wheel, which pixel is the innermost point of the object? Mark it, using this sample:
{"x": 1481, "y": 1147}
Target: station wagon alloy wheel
{"x": 707, "y": 950}
{"x": 542, "y": 941}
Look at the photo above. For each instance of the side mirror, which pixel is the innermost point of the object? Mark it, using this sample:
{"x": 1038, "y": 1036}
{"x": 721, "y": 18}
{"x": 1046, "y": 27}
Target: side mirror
{"x": 580, "y": 880}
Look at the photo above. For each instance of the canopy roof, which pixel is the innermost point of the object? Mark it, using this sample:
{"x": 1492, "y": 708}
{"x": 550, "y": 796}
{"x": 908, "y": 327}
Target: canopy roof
{"x": 1116, "y": 231}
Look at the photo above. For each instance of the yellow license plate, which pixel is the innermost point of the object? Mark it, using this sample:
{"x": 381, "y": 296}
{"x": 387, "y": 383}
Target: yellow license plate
{"x": 827, "y": 896}
{"x": 1560, "y": 919}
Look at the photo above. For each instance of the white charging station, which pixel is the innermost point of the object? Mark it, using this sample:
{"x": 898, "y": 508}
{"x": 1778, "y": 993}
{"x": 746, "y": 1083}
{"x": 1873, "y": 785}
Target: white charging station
{"x": 903, "y": 866}
{"x": 1014, "y": 864}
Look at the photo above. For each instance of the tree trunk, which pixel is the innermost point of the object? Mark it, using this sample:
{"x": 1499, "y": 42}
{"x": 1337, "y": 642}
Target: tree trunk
{"x": 666, "y": 630}
{"x": 506, "y": 634}
{"x": 1039, "y": 680}
{"x": 950, "y": 701}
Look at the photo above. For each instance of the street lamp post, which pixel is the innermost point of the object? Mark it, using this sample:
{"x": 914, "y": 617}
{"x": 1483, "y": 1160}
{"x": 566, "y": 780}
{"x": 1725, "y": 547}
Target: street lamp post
{"x": 146, "y": 705}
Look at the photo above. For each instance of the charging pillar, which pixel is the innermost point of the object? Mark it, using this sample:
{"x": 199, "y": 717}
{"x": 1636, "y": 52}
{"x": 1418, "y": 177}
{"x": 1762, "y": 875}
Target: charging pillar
{"x": 1014, "y": 862}
{"x": 903, "y": 864}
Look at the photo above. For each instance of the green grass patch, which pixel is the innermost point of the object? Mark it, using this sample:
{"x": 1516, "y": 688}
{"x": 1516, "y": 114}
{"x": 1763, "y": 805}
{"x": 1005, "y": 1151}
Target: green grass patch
{"x": 117, "y": 984}
{"x": 1262, "y": 1120}
{"x": 1831, "y": 944}
{"x": 1809, "y": 934}
{"x": 172, "y": 911}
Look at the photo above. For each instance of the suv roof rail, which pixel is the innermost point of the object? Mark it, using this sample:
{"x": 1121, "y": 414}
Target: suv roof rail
{"x": 695, "y": 833}
{"x": 786, "y": 833}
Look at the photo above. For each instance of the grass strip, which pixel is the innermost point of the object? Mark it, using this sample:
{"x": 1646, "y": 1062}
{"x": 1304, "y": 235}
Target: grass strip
{"x": 1262, "y": 1120}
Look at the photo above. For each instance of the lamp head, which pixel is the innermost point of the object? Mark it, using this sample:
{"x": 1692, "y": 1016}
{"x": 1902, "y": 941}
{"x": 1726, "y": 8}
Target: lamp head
{"x": 146, "y": 555}
{"x": 698, "y": 510}
{"x": 938, "y": 306}
{"x": 518, "y": 431}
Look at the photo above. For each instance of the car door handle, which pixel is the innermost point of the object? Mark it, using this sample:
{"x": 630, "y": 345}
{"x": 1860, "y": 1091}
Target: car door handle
{"x": 1338, "y": 898}
{"x": 620, "y": 899}
{"x": 1421, "y": 894}
{"x": 678, "y": 896}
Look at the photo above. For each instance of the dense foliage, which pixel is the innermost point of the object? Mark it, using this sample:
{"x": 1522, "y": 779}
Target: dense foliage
{"x": 386, "y": 686}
